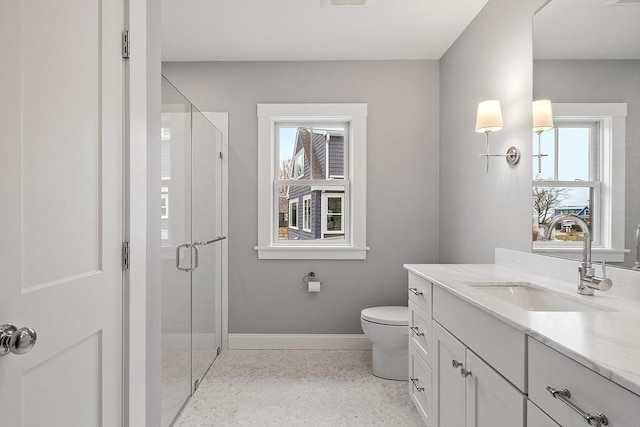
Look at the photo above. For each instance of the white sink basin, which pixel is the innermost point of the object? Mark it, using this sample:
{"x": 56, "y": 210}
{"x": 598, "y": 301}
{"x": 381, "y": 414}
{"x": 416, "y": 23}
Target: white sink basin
{"x": 530, "y": 297}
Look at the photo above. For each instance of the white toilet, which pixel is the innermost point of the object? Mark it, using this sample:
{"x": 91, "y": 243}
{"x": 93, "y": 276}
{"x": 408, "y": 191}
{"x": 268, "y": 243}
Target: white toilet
{"x": 387, "y": 328}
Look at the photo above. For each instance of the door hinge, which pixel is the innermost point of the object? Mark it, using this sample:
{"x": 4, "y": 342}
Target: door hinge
{"x": 126, "y": 44}
{"x": 126, "y": 260}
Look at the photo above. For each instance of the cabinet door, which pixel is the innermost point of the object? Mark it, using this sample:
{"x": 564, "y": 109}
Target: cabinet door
{"x": 448, "y": 384}
{"x": 491, "y": 401}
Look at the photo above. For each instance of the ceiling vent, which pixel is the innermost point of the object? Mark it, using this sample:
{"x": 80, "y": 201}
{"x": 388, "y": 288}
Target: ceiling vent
{"x": 346, "y": 3}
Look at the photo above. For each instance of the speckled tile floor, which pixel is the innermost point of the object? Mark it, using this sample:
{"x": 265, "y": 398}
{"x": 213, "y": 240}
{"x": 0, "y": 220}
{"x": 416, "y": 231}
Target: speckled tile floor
{"x": 290, "y": 388}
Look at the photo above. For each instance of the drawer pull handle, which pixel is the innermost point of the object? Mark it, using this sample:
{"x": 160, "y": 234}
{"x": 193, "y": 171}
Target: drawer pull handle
{"x": 416, "y": 384}
{"x": 415, "y": 291}
{"x": 564, "y": 395}
{"x": 464, "y": 373}
{"x": 455, "y": 364}
{"x": 416, "y": 331}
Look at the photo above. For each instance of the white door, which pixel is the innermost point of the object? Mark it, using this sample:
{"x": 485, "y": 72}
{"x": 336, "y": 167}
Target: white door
{"x": 61, "y": 210}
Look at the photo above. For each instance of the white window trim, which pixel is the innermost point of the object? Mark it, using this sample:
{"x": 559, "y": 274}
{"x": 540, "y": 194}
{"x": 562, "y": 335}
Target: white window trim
{"x": 356, "y": 116}
{"x": 612, "y": 118}
{"x": 306, "y": 199}
{"x": 325, "y": 213}
{"x": 291, "y": 203}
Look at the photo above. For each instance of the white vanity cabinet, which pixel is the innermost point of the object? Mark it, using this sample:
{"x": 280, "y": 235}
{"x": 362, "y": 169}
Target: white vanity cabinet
{"x": 480, "y": 361}
{"x": 464, "y": 390}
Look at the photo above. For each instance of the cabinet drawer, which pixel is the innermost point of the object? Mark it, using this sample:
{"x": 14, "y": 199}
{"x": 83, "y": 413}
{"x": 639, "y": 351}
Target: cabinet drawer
{"x": 588, "y": 390}
{"x": 420, "y": 331}
{"x": 420, "y": 384}
{"x": 420, "y": 292}
{"x": 537, "y": 418}
{"x": 499, "y": 344}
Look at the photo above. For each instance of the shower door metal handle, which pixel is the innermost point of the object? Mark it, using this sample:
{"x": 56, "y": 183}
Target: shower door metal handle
{"x": 208, "y": 242}
{"x": 195, "y": 246}
{"x": 178, "y": 248}
{"x": 196, "y": 255}
{"x": 195, "y": 258}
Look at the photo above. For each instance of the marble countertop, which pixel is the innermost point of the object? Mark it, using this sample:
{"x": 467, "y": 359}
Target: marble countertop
{"x": 608, "y": 342}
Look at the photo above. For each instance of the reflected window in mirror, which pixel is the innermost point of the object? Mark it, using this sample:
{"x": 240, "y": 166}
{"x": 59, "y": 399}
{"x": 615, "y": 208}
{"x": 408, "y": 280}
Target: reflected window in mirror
{"x": 577, "y": 177}
{"x": 569, "y": 181}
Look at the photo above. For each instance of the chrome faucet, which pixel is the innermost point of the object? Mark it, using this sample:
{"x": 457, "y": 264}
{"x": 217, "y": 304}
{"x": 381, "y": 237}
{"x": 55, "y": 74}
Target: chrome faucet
{"x": 587, "y": 280}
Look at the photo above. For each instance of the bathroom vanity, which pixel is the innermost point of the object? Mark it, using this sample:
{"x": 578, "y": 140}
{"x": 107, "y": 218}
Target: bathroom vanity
{"x": 491, "y": 345}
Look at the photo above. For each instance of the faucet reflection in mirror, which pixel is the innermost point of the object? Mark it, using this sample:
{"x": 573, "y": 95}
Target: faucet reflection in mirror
{"x": 489, "y": 119}
{"x": 542, "y": 121}
{"x": 587, "y": 280}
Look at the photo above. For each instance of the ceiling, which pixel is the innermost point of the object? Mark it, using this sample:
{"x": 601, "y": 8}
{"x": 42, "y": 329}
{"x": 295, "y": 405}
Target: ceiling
{"x": 283, "y": 30}
{"x": 587, "y": 29}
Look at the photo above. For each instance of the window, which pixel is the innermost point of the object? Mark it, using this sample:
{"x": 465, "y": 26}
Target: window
{"x": 164, "y": 203}
{"x": 332, "y": 224}
{"x": 293, "y": 214}
{"x": 306, "y": 213}
{"x": 298, "y": 165}
{"x": 315, "y": 153}
{"x": 584, "y": 162}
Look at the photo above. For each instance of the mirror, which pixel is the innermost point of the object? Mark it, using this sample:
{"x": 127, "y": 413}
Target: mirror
{"x": 588, "y": 51}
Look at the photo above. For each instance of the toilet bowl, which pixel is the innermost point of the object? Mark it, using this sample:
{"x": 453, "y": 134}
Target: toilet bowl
{"x": 387, "y": 328}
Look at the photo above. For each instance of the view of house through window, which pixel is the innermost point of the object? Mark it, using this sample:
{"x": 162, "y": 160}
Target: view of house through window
{"x": 311, "y": 181}
{"x": 569, "y": 182}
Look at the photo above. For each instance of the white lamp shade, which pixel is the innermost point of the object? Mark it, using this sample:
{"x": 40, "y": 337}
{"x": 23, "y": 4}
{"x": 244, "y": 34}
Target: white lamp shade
{"x": 489, "y": 117}
{"x": 542, "y": 115}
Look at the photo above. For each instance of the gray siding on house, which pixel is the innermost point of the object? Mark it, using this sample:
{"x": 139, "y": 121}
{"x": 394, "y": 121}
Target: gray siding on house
{"x": 315, "y": 165}
{"x": 316, "y": 213}
{"x": 336, "y": 156}
{"x": 319, "y": 157}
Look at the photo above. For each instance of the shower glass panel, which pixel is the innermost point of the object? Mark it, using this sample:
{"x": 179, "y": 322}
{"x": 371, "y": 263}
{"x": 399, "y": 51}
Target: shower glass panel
{"x": 206, "y": 228}
{"x": 175, "y": 229}
{"x": 191, "y": 225}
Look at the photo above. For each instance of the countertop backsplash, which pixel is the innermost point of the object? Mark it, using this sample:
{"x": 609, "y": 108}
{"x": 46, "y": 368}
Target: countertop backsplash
{"x": 626, "y": 283}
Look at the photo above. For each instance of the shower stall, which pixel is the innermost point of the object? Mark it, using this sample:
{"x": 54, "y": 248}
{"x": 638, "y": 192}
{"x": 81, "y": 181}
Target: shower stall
{"x": 192, "y": 240}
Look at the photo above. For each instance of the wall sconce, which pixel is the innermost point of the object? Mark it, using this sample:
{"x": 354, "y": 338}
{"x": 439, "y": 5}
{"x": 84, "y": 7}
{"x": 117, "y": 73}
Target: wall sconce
{"x": 542, "y": 121}
{"x": 489, "y": 119}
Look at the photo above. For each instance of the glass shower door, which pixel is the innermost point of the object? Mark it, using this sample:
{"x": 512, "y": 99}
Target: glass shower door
{"x": 191, "y": 272}
{"x": 206, "y": 196}
{"x": 175, "y": 229}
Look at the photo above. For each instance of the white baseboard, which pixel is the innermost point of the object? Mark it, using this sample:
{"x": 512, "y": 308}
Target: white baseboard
{"x": 183, "y": 341}
{"x": 299, "y": 342}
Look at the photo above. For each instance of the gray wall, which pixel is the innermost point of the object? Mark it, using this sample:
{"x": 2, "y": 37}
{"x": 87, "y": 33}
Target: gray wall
{"x": 492, "y": 59}
{"x": 602, "y": 81}
{"x": 402, "y": 186}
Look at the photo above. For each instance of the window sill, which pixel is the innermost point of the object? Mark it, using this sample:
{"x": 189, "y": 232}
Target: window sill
{"x": 597, "y": 254}
{"x": 312, "y": 252}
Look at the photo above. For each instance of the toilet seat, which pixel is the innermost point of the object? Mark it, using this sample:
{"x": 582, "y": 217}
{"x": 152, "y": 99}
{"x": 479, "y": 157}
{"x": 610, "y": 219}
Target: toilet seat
{"x": 388, "y": 315}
